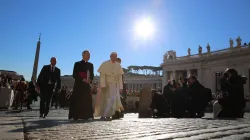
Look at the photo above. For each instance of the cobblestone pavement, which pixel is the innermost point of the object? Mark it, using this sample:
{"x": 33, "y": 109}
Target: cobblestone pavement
{"x": 11, "y": 128}
{"x": 56, "y": 126}
{"x": 131, "y": 127}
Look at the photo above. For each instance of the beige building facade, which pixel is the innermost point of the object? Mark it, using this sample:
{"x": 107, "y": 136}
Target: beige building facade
{"x": 208, "y": 66}
{"x": 133, "y": 82}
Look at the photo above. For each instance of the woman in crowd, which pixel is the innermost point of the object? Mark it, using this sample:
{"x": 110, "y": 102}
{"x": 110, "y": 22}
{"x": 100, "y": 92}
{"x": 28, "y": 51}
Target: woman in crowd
{"x": 232, "y": 97}
{"x": 21, "y": 88}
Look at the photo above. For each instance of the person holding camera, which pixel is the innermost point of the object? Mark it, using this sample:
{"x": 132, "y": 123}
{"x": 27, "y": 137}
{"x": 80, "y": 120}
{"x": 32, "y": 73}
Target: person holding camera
{"x": 232, "y": 98}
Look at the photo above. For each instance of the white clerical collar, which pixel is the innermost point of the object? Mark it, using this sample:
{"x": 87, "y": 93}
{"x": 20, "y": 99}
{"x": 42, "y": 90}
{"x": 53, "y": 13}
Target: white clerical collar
{"x": 112, "y": 62}
{"x": 85, "y": 61}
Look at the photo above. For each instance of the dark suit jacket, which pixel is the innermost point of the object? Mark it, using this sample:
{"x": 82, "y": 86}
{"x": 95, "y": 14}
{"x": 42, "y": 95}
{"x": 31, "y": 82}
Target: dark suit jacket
{"x": 46, "y": 74}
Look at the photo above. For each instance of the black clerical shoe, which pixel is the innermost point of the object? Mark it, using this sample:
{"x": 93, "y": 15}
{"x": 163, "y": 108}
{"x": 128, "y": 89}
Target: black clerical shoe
{"x": 108, "y": 118}
{"x": 102, "y": 118}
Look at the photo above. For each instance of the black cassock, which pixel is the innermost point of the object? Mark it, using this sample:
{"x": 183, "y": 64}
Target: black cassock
{"x": 81, "y": 98}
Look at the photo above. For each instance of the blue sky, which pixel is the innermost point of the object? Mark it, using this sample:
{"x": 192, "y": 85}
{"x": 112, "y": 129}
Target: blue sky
{"x": 103, "y": 26}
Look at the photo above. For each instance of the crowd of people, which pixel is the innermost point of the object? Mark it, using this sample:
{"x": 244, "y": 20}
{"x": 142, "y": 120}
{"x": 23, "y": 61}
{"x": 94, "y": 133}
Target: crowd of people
{"x": 7, "y": 81}
{"x": 133, "y": 93}
{"x": 25, "y": 93}
{"x": 182, "y": 98}
{"x": 20, "y": 88}
{"x": 187, "y": 97}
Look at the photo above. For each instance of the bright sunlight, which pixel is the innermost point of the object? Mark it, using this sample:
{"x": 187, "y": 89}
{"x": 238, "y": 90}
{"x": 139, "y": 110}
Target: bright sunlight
{"x": 144, "y": 28}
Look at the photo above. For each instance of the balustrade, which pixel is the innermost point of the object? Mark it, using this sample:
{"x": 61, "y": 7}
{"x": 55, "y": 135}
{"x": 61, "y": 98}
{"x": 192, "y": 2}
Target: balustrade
{"x": 211, "y": 54}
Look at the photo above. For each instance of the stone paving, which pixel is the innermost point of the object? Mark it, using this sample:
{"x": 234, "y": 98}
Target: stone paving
{"x": 11, "y": 128}
{"x": 133, "y": 128}
{"x": 56, "y": 126}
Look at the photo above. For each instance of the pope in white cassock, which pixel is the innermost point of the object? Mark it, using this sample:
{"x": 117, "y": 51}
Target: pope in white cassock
{"x": 111, "y": 84}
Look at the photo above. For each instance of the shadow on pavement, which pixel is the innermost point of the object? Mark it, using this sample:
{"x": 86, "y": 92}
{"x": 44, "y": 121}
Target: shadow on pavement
{"x": 11, "y": 124}
{"x": 13, "y": 111}
{"x": 33, "y": 125}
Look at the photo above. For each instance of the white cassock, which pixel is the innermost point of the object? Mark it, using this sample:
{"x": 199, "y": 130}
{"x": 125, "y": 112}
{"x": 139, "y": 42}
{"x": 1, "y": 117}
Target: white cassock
{"x": 108, "y": 101}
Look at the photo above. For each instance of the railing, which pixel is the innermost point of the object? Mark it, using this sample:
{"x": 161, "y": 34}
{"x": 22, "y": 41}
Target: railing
{"x": 212, "y": 53}
{"x": 219, "y": 52}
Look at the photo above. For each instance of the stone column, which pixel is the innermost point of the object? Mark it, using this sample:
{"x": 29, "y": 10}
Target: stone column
{"x": 164, "y": 79}
{"x": 244, "y": 72}
{"x": 174, "y": 75}
{"x": 213, "y": 78}
{"x": 177, "y": 74}
{"x": 246, "y": 86}
{"x": 188, "y": 73}
{"x": 199, "y": 75}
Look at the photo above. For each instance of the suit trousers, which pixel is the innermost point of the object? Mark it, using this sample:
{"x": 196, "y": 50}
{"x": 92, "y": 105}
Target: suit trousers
{"x": 45, "y": 98}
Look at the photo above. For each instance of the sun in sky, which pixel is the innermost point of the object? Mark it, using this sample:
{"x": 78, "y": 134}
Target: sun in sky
{"x": 144, "y": 28}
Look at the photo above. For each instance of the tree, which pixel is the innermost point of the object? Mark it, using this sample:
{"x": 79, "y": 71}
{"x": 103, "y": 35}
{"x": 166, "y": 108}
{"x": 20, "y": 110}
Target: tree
{"x": 144, "y": 70}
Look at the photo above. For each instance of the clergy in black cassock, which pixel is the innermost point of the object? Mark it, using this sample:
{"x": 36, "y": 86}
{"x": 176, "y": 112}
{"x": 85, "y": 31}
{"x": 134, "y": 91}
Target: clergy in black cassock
{"x": 81, "y": 98}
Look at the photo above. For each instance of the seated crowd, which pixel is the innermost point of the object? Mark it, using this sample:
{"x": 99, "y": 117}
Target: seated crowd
{"x": 189, "y": 98}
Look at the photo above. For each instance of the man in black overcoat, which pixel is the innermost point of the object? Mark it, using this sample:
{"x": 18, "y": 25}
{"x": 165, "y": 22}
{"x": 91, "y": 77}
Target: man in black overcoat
{"x": 48, "y": 82}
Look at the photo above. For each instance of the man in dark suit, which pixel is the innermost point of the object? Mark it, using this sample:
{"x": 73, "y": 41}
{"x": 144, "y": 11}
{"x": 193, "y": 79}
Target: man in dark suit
{"x": 48, "y": 80}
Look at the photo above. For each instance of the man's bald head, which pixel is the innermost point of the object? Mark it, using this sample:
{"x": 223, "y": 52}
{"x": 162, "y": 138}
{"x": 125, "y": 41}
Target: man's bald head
{"x": 113, "y": 56}
{"x": 53, "y": 61}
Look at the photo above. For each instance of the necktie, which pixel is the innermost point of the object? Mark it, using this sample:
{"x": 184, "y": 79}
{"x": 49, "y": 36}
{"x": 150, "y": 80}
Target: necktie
{"x": 52, "y": 69}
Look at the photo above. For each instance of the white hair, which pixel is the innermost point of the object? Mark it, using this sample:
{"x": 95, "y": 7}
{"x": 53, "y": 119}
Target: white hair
{"x": 113, "y": 53}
